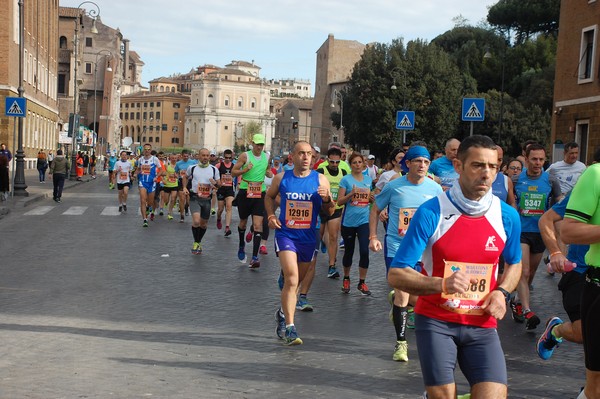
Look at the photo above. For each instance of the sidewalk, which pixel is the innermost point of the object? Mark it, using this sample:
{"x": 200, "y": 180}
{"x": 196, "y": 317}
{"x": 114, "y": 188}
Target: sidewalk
{"x": 37, "y": 191}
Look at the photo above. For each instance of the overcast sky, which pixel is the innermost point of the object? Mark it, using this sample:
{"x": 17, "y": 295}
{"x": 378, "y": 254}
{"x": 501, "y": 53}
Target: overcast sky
{"x": 282, "y": 37}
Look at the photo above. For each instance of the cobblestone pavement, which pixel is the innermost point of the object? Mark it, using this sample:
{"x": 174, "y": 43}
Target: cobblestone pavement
{"x": 91, "y": 306}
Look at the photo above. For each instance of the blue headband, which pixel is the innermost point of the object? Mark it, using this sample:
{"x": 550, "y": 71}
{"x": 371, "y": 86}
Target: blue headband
{"x": 412, "y": 153}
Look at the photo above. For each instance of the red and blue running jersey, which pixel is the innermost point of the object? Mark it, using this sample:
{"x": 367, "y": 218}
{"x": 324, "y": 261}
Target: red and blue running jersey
{"x": 450, "y": 241}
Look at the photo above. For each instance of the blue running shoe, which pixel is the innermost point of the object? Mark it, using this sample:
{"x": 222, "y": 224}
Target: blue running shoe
{"x": 291, "y": 337}
{"x": 280, "y": 318}
{"x": 342, "y": 245}
{"x": 281, "y": 281}
{"x": 323, "y": 247}
{"x": 303, "y": 304}
{"x": 332, "y": 272}
{"x": 548, "y": 342}
{"x": 242, "y": 254}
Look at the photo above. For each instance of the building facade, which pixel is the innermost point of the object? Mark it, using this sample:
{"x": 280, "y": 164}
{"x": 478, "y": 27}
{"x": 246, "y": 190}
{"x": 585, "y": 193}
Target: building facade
{"x": 294, "y": 120}
{"x": 39, "y": 69}
{"x": 295, "y": 88}
{"x": 576, "y": 115}
{"x": 224, "y": 102}
{"x": 335, "y": 62}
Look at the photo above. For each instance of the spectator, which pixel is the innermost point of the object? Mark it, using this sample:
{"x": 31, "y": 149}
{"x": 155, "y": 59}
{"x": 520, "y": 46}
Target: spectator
{"x": 5, "y": 152}
{"x": 4, "y": 180}
{"x": 58, "y": 173}
{"x": 42, "y": 165}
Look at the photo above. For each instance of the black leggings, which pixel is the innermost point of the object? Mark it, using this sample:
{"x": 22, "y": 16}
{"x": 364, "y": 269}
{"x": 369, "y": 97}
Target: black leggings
{"x": 349, "y": 235}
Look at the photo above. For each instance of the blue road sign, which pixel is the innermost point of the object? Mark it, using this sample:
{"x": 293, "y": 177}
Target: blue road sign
{"x": 15, "y": 106}
{"x": 473, "y": 109}
{"x": 405, "y": 120}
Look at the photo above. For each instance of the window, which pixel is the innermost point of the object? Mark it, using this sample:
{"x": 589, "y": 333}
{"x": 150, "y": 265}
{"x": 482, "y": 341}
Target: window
{"x": 581, "y": 138}
{"x": 176, "y": 105}
{"x": 137, "y": 116}
{"x": 240, "y": 102}
{"x": 253, "y": 103}
{"x": 88, "y": 67}
{"x": 587, "y": 54}
{"x": 89, "y": 42}
{"x": 62, "y": 78}
{"x": 175, "y": 140}
{"x": 158, "y": 103}
{"x": 157, "y": 139}
{"x": 145, "y": 105}
{"x": 126, "y": 105}
{"x": 151, "y": 128}
{"x": 158, "y": 116}
{"x": 126, "y": 116}
{"x": 158, "y": 128}
{"x": 149, "y": 139}
{"x": 145, "y": 115}
{"x": 164, "y": 127}
{"x": 151, "y": 115}
{"x": 227, "y": 101}
{"x": 151, "y": 104}
{"x": 176, "y": 116}
{"x": 62, "y": 42}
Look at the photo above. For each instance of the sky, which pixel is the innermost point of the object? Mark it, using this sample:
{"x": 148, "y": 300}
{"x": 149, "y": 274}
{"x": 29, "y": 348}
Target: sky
{"x": 282, "y": 37}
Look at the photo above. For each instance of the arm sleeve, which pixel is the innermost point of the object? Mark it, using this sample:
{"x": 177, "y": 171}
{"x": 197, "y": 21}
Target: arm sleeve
{"x": 422, "y": 227}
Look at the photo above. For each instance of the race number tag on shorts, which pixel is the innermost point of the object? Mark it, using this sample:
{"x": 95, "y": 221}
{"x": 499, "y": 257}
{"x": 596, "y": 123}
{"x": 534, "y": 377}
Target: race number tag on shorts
{"x": 334, "y": 192}
{"x": 123, "y": 175}
{"x": 203, "y": 190}
{"x": 405, "y": 215}
{"x": 469, "y": 302}
{"x": 298, "y": 214}
{"x": 227, "y": 180}
{"x": 146, "y": 169}
{"x": 361, "y": 197}
{"x": 254, "y": 189}
{"x": 532, "y": 204}
{"x": 172, "y": 177}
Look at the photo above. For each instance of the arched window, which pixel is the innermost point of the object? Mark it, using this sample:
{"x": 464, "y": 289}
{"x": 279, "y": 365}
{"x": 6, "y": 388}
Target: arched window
{"x": 240, "y": 102}
{"x": 211, "y": 101}
{"x": 62, "y": 42}
{"x": 253, "y": 103}
{"x": 227, "y": 101}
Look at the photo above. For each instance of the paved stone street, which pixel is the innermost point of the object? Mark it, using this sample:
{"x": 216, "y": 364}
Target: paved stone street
{"x": 94, "y": 306}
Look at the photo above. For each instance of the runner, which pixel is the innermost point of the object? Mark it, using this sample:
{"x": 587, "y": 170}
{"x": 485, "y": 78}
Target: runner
{"x": 111, "y": 167}
{"x": 582, "y": 226}
{"x": 203, "y": 179}
{"x": 461, "y": 234}
{"x": 444, "y": 167}
{"x": 225, "y": 194}
{"x": 252, "y": 166}
{"x": 213, "y": 161}
{"x": 148, "y": 167}
{"x": 170, "y": 189}
{"x": 123, "y": 176}
{"x": 401, "y": 197}
{"x": 569, "y": 169}
{"x": 355, "y": 194}
{"x": 535, "y": 190}
{"x": 181, "y": 168}
{"x": 302, "y": 192}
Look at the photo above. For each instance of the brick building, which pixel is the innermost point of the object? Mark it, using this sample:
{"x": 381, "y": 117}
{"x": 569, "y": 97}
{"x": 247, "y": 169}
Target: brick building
{"x": 576, "y": 115}
{"x": 40, "y": 66}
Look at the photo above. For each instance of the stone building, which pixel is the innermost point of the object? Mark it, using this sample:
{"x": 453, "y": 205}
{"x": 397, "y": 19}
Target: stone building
{"x": 335, "y": 62}
{"x": 296, "y": 88}
{"x": 576, "y": 115}
{"x": 39, "y": 69}
{"x": 294, "y": 120}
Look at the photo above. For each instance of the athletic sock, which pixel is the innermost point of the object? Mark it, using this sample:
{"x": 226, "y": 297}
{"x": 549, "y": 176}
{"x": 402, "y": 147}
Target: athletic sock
{"x": 256, "y": 243}
{"x": 241, "y": 234}
{"x": 400, "y": 316}
{"x": 196, "y": 233}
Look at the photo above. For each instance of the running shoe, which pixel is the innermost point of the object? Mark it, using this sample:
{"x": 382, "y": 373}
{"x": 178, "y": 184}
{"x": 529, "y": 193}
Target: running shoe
{"x": 254, "y": 263}
{"x": 410, "y": 320}
{"x": 169, "y": 217}
{"x": 197, "y": 248}
{"x": 227, "y": 231}
{"x": 213, "y": 211}
{"x": 291, "y": 336}
{"x": 249, "y": 236}
{"x": 182, "y": 220}
{"x": 332, "y": 272}
{"x": 400, "y": 351}
{"x": 517, "y": 311}
{"x": 263, "y": 250}
{"x": 323, "y": 247}
{"x": 342, "y": 245}
{"x": 364, "y": 290}
{"x": 120, "y": 208}
{"x": 281, "y": 280}
{"x": 280, "y": 318}
{"x": 161, "y": 212}
{"x": 219, "y": 224}
{"x": 152, "y": 216}
{"x": 303, "y": 304}
{"x": 346, "y": 285}
{"x": 242, "y": 254}
{"x": 465, "y": 396}
{"x": 124, "y": 208}
{"x": 531, "y": 320}
{"x": 145, "y": 223}
{"x": 548, "y": 342}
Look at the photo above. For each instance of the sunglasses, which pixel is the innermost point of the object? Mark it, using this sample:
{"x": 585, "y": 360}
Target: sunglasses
{"x": 227, "y": 157}
{"x": 334, "y": 162}
{"x": 514, "y": 168}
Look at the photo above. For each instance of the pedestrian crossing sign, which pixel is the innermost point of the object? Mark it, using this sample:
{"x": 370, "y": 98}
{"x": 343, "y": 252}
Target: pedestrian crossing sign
{"x": 15, "y": 106}
{"x": 405, "y": 120}
{"x": 473, "y": 109}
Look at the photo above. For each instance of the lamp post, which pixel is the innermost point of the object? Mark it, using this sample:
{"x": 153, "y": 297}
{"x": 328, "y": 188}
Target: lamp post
{"x": 394, "y": 87}
{"x": 488, "y": 55}
{"x": 108, "y": 69}
{"x": 94, "y": 14}
{"x": 19, "y": 186}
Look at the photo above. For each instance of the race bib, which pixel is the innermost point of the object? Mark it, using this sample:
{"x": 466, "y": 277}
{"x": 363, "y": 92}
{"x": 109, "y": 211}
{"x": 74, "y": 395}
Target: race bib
{"x": 405, "y": 215}
{"x": 203, "y": 190}
{"x": 145, "y": 169}
{"x": 254, "y": 189}
{"x": 298, "y": 214}
{"x": 227, "y": 180}
{"x": 172, "y": 177}
{"x": 334, "y": 193}
{"x": 470, "y": 302}
{"x": 532, "y": 204}
{"x": 361, "y": 197}
{"x": 123, "y": 176}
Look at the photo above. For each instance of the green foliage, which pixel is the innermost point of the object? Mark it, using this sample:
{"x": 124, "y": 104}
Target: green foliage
{"x": 526, "y": 18}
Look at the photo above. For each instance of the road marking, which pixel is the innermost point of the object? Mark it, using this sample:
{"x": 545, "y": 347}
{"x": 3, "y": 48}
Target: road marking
{"x": 39, "y": 210}
{"x": 75, "y": 210}
{"x": 110, "y": 211}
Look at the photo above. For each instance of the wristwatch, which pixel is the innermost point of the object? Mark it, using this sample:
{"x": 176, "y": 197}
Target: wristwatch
{"x": 504, "y": 292}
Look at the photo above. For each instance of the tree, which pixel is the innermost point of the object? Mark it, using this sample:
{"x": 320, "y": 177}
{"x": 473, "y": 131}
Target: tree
{"x": 525, "y": 18}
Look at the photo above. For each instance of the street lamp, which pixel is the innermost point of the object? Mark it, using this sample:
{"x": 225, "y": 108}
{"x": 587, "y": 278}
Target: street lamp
{"x": 19, "y": 186}
{"x": 394, "y": 87}
{"x": 94, "y": 14}
{"x": 488, "y": 55}
{"x": 108, "y": 69}
{"x": 338, "y": 96}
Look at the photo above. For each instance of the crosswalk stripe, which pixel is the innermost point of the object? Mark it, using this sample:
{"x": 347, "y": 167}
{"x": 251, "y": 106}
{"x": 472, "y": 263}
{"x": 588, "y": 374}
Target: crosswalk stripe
{"x": 110, "y": 211}
{"x": 39, "y": 210}
{"x": 75, "y": 210}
